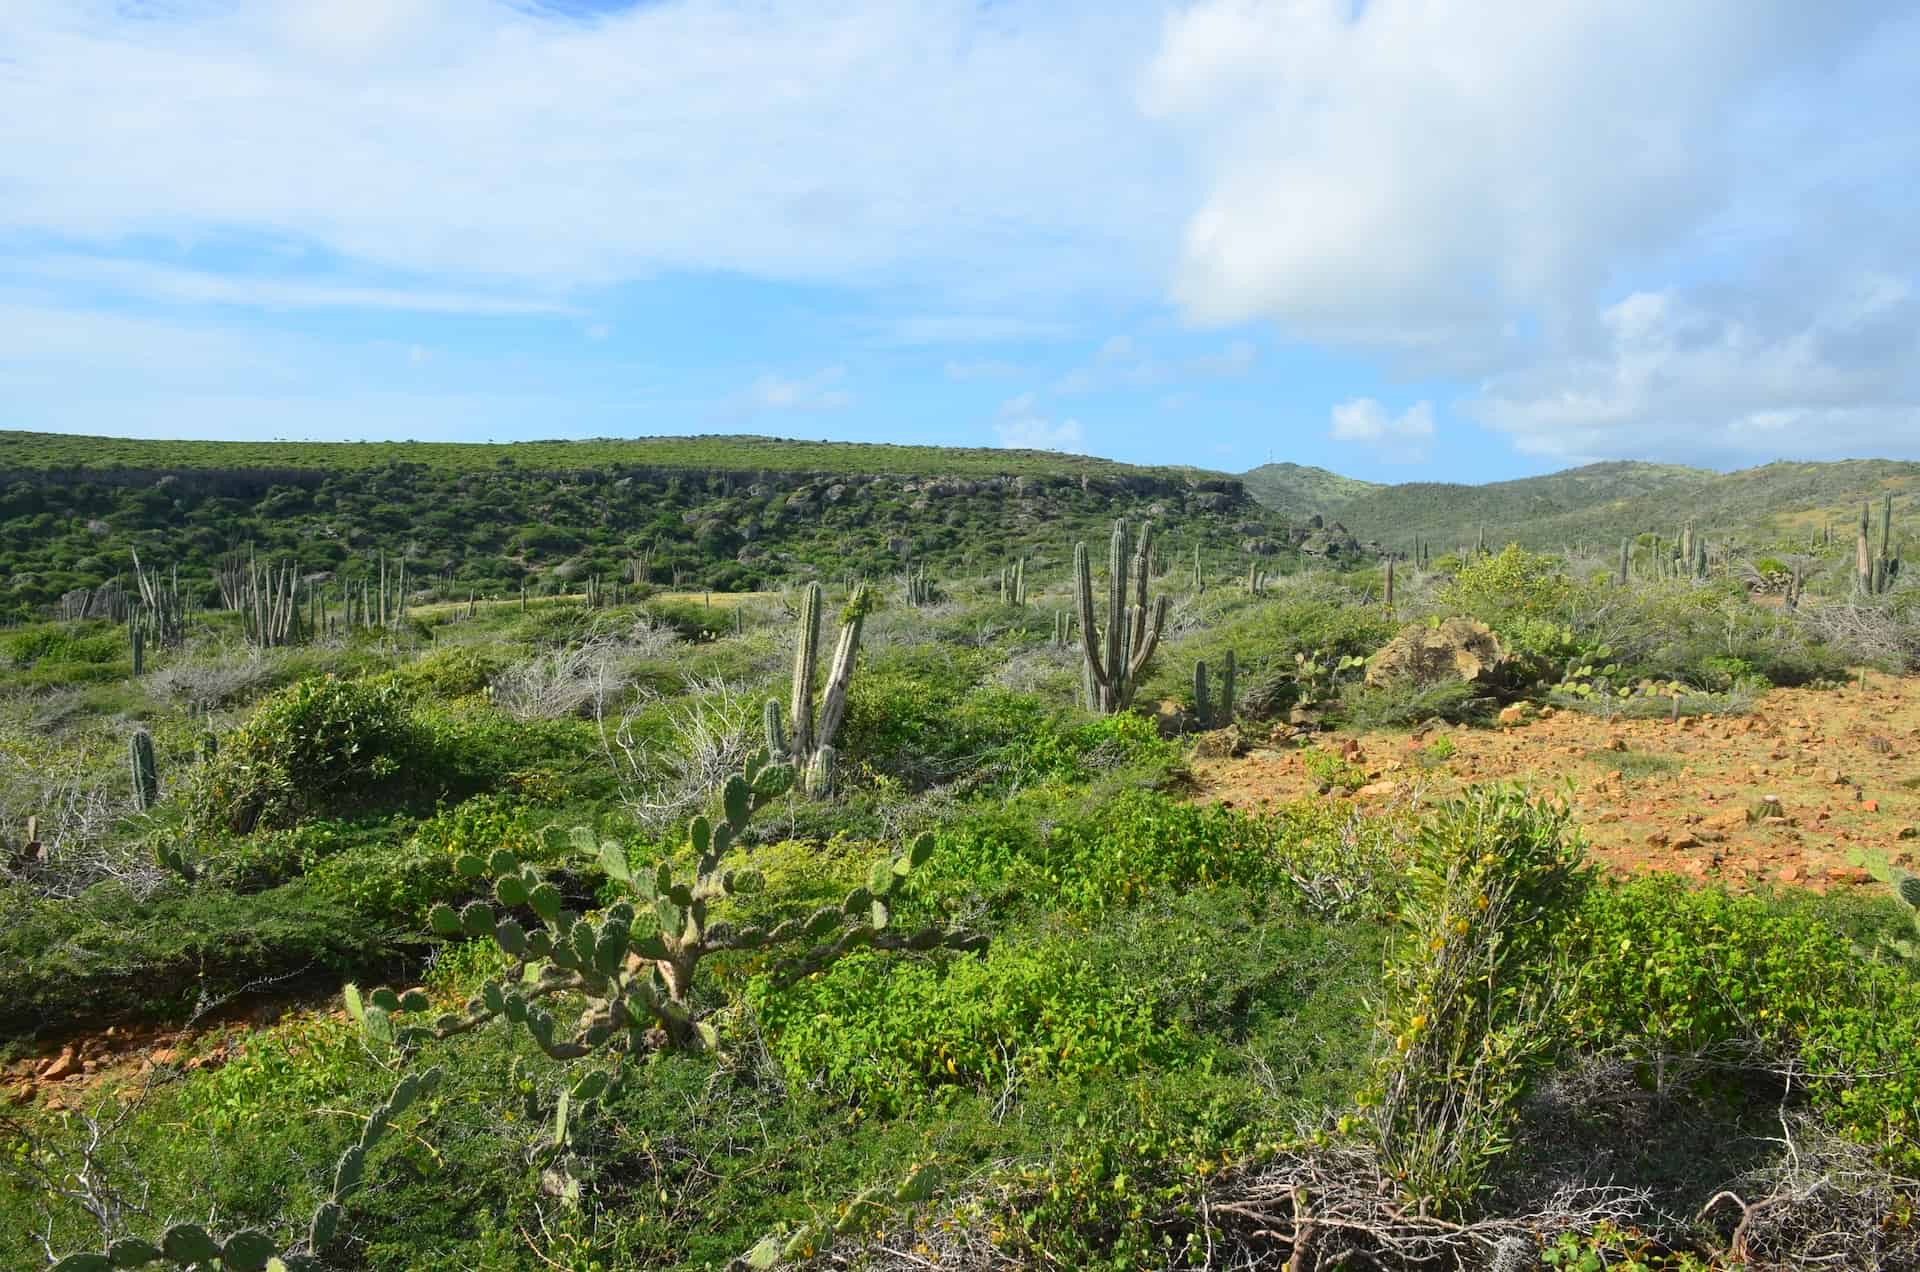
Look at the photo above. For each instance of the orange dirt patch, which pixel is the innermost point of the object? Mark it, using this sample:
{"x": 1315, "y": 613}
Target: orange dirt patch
{"x": 1686, "y": 797}
{"x": 59, "y": 1073}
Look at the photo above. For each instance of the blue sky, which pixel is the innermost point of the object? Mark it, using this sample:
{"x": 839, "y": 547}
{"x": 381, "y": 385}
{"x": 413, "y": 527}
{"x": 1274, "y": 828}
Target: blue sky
{"x": 1405, "y": 239}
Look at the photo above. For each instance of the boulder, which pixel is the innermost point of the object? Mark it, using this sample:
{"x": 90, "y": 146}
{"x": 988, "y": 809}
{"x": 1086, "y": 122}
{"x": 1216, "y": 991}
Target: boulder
{"x": 1171, "y": 719}
{"x": 1457, "y": 649}
{"x": 1220, "y": 744}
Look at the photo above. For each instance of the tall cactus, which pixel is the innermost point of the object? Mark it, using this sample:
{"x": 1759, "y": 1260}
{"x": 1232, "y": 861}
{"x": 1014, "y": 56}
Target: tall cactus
{"x": 146, "y": 774}
{"x": 1013, "y": 583}
{"x": 1863, "y": 555}
{"x": 809, "y": 749}
{"x": 919, "y": 586}
{"x": 1626, "y": 557}
{"x": 1203, "y": 700}
{"x": 1115, "y": 658}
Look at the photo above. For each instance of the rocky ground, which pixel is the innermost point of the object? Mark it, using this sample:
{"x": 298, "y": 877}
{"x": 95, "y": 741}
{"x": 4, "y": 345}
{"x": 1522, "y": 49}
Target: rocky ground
{"x": 1810, "y": 789}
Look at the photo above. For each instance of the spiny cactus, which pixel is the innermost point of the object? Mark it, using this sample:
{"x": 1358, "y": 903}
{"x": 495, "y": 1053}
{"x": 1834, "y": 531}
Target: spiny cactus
{"x": 810, "y": 747}
{"x": 919, "y": 586}
{"x": 1906, "y": 889}
{"x": 1203, "y": 703}
{"x": 146, "y": 775}
{"x": 190, "y": 1246}
{"x": 1013, "y": 583}
{"x": 635, "y": 967}
{"x": 159, "y": 619}
{"x": 138, "y": 639}
{"x": 1114, "y": 659}
{"x": 1062, "y": 629}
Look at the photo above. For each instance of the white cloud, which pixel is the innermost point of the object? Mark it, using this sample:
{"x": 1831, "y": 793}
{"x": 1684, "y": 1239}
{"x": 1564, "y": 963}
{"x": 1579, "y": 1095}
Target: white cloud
{"x": 1467, "y": 188}
{"x": 821, "y": 391}
{"x": 1020, "y": 427}
{"x": 1405, "y": 438}
{"x": 1745, "y": 378}
{"x": 931, "y": 145}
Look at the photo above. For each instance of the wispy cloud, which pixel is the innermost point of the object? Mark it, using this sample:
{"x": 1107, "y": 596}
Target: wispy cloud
{"x": 1020, "y": 426}
{"x": 1405, "y": 438}
{"x": 875, "y": 143}
{"x": 821, "y": 391}
{"x": 198, "y": 287}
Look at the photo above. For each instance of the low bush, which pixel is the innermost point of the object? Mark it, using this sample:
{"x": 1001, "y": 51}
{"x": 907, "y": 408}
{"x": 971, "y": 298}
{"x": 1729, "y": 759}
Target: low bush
{"x": 105, "y": 954}
{"x": 1672, "y": 972}
{"x": 885, "y": 1032}
{"x": 318, "y": 746}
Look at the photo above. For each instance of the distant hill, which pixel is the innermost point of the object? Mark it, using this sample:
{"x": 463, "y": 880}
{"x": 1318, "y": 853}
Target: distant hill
{"x": 1298, "y": 490}
{"x": 725, "y": 513}
{"x": 1600, "y": 503}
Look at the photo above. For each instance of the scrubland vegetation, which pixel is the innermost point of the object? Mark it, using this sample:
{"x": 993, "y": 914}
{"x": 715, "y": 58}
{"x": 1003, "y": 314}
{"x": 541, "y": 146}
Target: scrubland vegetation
{"x": 586, "y": 959}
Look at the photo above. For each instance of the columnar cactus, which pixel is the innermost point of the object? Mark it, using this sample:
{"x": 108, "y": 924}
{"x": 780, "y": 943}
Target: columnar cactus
{"x": 1062, "y": 629}
{"x": 1114, "y": 659}
{"x": 1013, "y": 583}
{"x": 146, "y": 775}
{"x": 810, "y": 747}
{"x": 1863, "y": 563}
{"x": 1204, "y": 706}
{"x": 919, "y": 586}
{"x": 1387, "y": 585}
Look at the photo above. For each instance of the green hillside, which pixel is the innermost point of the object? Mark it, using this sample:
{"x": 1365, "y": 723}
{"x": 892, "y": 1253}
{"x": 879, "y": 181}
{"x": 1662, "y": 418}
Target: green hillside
{"x": 21, "y": 451}
{"x": 1600, "y": 503}
{"x": 720, "y": 513}
{"x": 1298, "y": 490}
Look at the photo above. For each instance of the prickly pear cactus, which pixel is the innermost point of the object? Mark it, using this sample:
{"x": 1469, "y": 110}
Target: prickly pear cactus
{"x": 191, "y": 1246}
{"x": 634, "y": 966}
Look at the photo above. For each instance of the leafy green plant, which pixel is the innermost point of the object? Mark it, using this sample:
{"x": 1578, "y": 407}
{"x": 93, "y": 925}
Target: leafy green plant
{"x": 1332, "y": 771}
{"x": 1670, "y": 971}
{"x": 306, "y": 749}
{"x": 1471, "y": 991}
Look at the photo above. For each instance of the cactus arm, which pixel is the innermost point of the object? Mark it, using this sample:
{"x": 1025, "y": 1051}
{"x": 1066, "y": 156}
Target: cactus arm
{"x": 1152, "y": 639}
{"x": 800, "y": 711}
{"x": 1115, "y": 662}
{"x": 1089, "y": 633}
{"x": 833, "y": 707}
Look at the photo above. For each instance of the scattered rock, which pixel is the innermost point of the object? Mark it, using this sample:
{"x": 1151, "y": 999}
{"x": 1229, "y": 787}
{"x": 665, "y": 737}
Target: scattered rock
{"x": 60, "y": 1066}
{"x": 1378, "y": 790}
{"x": 1513, "y": 714}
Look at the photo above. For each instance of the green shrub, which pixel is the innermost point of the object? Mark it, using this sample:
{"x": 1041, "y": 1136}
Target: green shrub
{"x": 1465, "y": 1020}
{"x": 1668, "y": 971}
{"x": 105, "y": 955}
{"x": 453, "y": 672}
{"x": 318, "y": 746}
{"x": 884, "y": 1032}
{"x": 1515, "y": 584}
{"x": 1365, "y": 707}
{"x": 1143, "y": 841}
